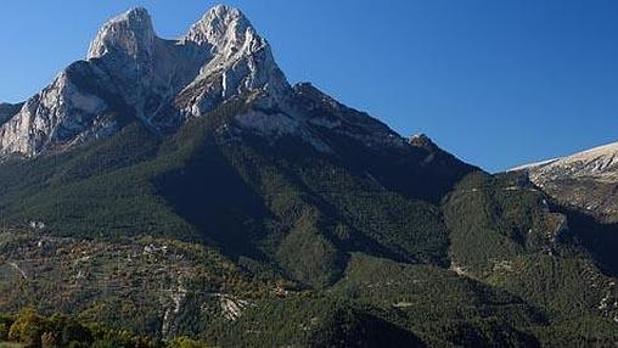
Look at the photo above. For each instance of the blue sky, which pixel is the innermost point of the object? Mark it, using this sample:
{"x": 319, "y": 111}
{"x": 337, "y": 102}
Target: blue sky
{"x": 498, "y": 83}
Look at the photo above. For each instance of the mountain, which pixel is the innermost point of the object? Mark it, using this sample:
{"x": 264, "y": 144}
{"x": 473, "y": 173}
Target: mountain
{"x": 184, "y": 188}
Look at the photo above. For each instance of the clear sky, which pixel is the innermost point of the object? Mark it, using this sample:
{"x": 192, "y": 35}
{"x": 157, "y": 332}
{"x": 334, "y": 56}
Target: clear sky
{"x": 498, "y": 83}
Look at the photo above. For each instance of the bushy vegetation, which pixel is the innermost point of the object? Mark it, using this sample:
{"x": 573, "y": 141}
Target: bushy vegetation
{"x": 312, "y": 320}
{"x": 219, "y": 235}
{"x": 439, "y": 305}
{"x": 254, "y": 198}
{"x": 33, "y": 330}
{"x": 507, "y": 234}
{"x": 117, "y": 282}
{"x": 492, "y": 219}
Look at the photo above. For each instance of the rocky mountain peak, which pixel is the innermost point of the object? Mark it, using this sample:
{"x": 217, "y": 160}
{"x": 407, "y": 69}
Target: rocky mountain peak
{"x": 224, "y": 28}
{"x": 240, "y": 60}
{"x": 423, "y": 141}
{"x": 131, "y": 33}
{"x": 132, "y": 73}
{"x": 237, "y": 49}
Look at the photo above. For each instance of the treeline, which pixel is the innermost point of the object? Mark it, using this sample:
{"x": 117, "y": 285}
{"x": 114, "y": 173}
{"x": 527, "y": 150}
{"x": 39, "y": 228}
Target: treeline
{"x": 33, "y": 330}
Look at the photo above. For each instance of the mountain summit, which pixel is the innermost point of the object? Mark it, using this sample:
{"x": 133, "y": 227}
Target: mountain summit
{"x": 131, "y": 33}
{"x": 130, "y": 73}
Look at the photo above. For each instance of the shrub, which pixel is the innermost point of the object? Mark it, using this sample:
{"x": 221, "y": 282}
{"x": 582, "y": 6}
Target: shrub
{"x": 185, "y": 342}
{"x": 27, "y": 328}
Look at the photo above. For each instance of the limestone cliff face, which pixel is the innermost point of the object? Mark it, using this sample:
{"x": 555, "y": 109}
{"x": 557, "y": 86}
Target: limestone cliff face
{"x": 131, "y": 72}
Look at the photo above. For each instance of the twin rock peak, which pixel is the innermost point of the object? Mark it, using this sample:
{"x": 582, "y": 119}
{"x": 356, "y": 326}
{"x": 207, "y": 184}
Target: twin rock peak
{"x": 130, "y": 70}
{"x": 131, "y": 73}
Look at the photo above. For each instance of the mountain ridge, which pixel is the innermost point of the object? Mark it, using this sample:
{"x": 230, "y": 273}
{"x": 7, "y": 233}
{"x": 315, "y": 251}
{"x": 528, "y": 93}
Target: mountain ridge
{"x": 161, "y": 82}
{"x": 586, "y": 180}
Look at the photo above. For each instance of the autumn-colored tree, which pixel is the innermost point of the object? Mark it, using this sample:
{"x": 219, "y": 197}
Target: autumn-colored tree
{"x": 185, "y": 342}
{"x": 27, "y": 328}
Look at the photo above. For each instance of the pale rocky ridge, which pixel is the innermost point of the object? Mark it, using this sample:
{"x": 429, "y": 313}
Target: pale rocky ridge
{"x": 131, "y": 73}
{"x": 586, "y": 180}
{"x": 129, "y": 70}
{"x": 600, "y": 163}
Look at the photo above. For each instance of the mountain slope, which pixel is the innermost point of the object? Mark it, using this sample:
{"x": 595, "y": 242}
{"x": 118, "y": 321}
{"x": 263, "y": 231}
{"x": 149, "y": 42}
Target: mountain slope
{"x": 506, "y": 233}
{"x": 586, "y": 186}
{"x": 202, "y": 139}
{"x": 251, "y": 194}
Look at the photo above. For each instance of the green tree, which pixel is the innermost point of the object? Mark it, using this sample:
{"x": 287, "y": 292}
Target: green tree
{"x": 73, "y": 333}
